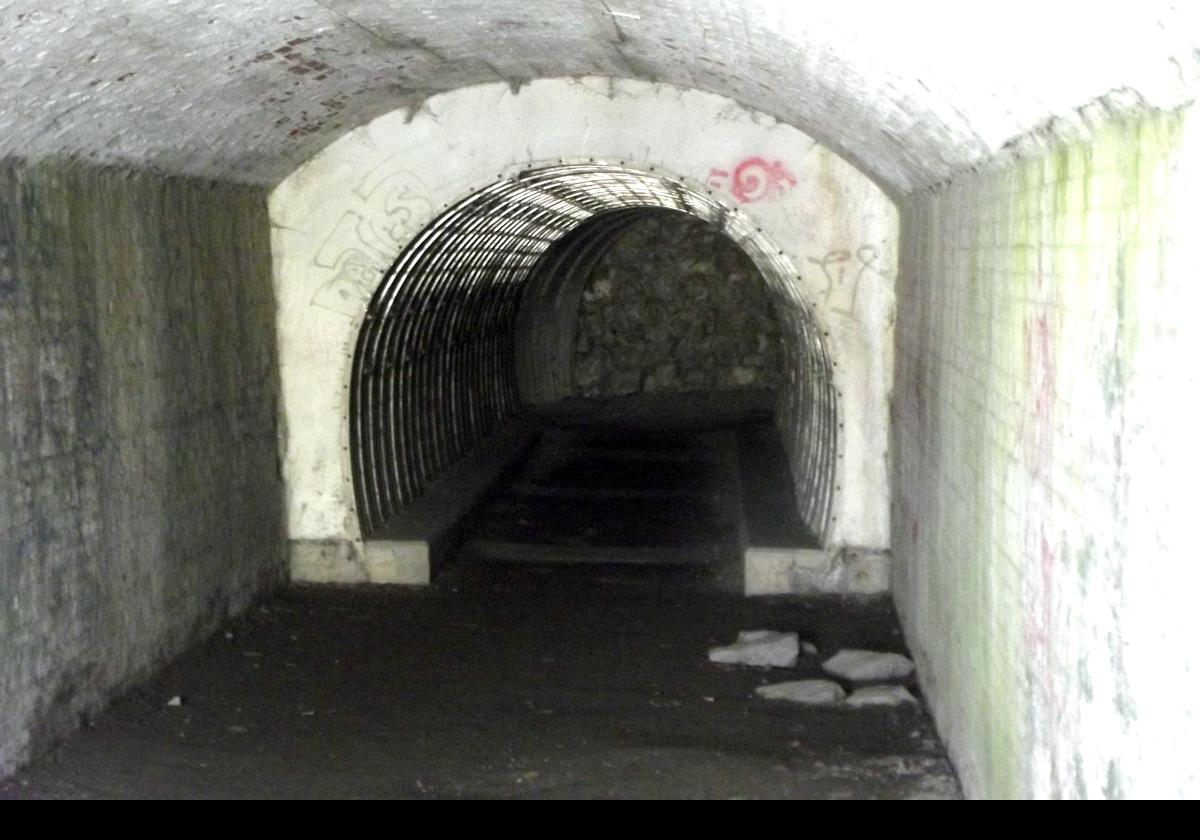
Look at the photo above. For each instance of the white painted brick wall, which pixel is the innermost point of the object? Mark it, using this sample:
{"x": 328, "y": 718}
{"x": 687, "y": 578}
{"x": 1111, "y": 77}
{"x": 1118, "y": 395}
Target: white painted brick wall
{"x": 1045, "y": 448}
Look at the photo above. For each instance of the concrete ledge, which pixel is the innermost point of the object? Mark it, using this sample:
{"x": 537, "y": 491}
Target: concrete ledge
{"x": 815, "y": 571}
{"x": 397, "y": 562}
{"x": 344, "y": 561}
{"x": 406, "y": 549}
{"x": 431, "y": 519}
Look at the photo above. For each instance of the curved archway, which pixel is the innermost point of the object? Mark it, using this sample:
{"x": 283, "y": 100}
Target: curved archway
{"x": 404, "y": 182}
{"x": 471, "y": 317}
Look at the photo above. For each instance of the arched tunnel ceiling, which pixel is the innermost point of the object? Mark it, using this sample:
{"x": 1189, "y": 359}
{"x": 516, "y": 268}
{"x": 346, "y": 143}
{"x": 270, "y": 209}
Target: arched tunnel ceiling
{"x": 910, "y": 92}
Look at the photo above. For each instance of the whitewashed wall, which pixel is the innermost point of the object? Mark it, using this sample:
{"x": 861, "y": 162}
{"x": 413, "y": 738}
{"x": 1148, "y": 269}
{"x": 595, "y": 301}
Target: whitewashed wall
{"x": 1046, "y": 446}
{"x": 342, "y": 218}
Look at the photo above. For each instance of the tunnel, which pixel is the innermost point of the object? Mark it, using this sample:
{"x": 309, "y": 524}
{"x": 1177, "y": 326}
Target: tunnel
{"x": 303, "y": 312}
{"x": 477, "y": 316}
{"x": 424, "y": 313}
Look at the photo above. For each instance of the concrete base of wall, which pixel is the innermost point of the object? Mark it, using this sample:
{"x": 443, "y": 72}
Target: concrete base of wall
{"x": 766, "y": 571}
{"x": 344, "y": 561}
{"x": 816, "y": 571}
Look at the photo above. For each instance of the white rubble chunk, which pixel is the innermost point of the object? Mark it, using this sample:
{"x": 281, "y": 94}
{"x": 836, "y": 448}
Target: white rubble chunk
{"x": 881, "y": 695}
{"x": 868, "y": 666}
{"x": 810, "y": 692}
{"x": 760, "y": 648}
{"x": 809, "y": 648}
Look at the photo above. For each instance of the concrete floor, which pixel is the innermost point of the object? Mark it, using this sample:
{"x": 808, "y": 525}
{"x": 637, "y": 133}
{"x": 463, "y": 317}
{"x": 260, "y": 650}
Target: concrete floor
{"x": 562, "y": 652}
{"x": 520, "y": 681}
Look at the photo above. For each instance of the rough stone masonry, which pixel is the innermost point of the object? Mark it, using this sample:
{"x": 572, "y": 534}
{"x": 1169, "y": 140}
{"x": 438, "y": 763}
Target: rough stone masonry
{"x": 673, "y": 305}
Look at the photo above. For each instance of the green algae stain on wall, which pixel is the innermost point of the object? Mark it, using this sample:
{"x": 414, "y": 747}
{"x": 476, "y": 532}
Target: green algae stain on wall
{"x": 1063, "y": 253}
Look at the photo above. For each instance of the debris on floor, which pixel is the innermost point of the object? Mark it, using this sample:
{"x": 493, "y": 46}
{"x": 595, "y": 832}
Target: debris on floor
{"x": 868, "y": 666}
{"x": 881, "y": 695}
{"x": 386, "y": 692}
{"x": 811, "y": 692}
{"x": 759, "y": 648}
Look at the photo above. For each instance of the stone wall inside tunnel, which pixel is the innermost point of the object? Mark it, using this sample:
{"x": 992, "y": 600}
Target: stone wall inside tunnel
{"x": 674, "y": 305}
{"x": 1045, "y": 451}
{"x": 140, "y": 496}
{"x": 342, "y": 219}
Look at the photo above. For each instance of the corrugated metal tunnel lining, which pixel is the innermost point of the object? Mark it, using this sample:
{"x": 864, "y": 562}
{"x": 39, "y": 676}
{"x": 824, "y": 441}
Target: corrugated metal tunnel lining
{"x": 477, "y": 313}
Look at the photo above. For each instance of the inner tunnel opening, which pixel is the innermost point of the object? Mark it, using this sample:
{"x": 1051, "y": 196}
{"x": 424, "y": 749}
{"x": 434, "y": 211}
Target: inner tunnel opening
{"x": 659, "y": 347}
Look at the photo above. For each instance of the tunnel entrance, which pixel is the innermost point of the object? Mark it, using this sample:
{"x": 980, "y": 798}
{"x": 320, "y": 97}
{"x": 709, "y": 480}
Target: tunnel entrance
{"x": 488, "y": 315}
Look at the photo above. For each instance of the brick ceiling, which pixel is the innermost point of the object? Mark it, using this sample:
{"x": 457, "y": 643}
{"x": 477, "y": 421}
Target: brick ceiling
{"x": 911, "y": 92}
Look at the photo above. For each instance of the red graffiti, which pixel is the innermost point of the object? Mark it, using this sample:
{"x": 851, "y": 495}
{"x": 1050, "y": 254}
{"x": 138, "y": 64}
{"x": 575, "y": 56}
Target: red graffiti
{"x": 1038, "y": 618}
{"x": 1048, "y": 677}
{"x": 1047, "y": 554}
{"x": 1041, "y": 622}
{"x": 754, "y": 179}
{"x": 1043, "y": 373}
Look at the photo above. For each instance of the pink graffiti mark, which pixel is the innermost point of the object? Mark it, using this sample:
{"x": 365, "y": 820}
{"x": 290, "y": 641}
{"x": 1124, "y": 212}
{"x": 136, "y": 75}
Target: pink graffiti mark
{"x": 754, "y": 179}
{"x": 1042, "y": 371}
{"x": 1045, "y": 623}
{"x": 1036, "y": 624}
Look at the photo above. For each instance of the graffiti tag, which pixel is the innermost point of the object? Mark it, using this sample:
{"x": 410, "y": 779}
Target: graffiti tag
{"x": 843, "y": 272}
{"x": 392, "y": 205}
{"x": 754, "y": 179}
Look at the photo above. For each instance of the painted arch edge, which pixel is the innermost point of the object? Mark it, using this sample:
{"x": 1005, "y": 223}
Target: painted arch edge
{"x": 356, "y": 174}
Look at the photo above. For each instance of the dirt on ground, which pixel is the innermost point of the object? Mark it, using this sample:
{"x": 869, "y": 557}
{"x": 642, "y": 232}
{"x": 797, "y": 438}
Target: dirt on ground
{"x": 502, "y": 682}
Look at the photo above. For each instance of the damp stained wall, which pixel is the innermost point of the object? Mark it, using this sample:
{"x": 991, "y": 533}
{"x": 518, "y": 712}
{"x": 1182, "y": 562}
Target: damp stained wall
{"x": 674, "y": 305}
{"x": 1046, "y": 442}
{"x": 140, "y": 498}
{"x": 340, "y": 220}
